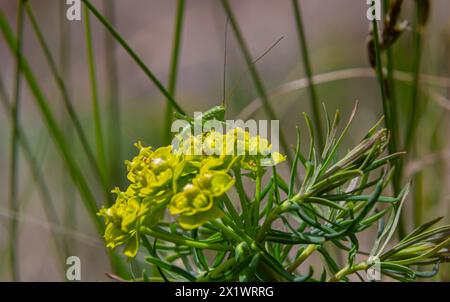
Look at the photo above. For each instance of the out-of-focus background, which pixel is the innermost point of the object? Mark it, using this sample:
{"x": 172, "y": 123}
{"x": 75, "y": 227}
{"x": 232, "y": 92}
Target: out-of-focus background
{"x": 336, "y": 33}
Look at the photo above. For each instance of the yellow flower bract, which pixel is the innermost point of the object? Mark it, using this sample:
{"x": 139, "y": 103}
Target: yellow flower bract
{"x": 188, "y": 181}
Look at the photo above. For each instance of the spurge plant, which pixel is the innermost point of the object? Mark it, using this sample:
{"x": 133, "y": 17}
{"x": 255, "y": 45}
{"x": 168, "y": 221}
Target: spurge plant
{"x": 194, "y": 212}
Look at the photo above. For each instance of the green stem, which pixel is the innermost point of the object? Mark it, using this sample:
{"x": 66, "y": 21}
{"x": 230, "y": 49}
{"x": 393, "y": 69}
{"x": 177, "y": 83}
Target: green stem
{"x": 230, "y": 233}
{"x": 273, "y": 215}
{"x": 112, "y": 79}
{"x": 242, "y": 197}
{"x": 390, "y": 111}
{"x": 231, "y": 209}
{"x": 14, "y": 170}
{"x": 94, "y": 93}
{"x": 133, "y": 55}
{"x": 239, "y": 231}
{"x": 348, "y": 271}
{"x": 309, "y": 74}
{"x": 379, "y": 70}
{"x": 414, "y": 116}
{"x": 416, "y": 60}
{"x": 276, "y": 212}
{"x": 394, "y": 140}
{"x": 69, "y": 220}
{"x": 174, "y": 67}
{"x": 161, "y": 234}
{"x": 393, "y": 106}
{"x": 257, "y": 203}
{"x": 418, "y": 198}
{"x": 302, "y": 257}
{"x": 214, "y": 274}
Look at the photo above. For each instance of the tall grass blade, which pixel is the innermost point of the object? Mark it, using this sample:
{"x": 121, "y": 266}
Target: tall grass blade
{"x": 380, "y": 75}
{"x": 393, "y": 106}
{"x": 421, "y": 15}
{"x": 133, "y": 55}
{"x": 69, "y": 219}
{"x": 14, "y": 169}
{"x": 309, "y": 74}
{"x": 94, "y": 93}
{"x": 174, "y": 67}
{"x": 112, "y": 80}
{"x": 419, "y": 27}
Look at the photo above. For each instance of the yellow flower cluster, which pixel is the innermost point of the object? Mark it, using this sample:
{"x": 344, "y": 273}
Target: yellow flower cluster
{"x": 188, "y": 181}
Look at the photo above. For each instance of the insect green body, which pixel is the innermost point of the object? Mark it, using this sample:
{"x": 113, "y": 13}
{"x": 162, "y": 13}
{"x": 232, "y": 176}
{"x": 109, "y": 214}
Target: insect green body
{"x": 215, "y": 113}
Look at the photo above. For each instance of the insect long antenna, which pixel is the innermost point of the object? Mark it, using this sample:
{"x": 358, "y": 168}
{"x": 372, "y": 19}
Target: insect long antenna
{"x": 267, "y": 50}
{"x": 254, "y": 62}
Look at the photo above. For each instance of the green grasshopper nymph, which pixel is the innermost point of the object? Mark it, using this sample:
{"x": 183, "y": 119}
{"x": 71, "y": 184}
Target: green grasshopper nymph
{"x": 195, "y": 124}
{"x": 217, "y": 112}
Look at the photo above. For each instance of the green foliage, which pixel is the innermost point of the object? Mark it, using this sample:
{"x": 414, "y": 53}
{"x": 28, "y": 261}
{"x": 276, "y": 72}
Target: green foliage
{"x": 341, "y": 195}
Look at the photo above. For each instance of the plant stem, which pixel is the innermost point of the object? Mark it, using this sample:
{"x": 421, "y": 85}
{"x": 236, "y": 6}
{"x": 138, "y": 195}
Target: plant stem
{"x": 219, "y": 269}
{"x": 273, "y": 215}
{"x": 69, "y": 219}
{"x": 94, "y": 93}
{"x": 174, "y": 67}
{"x": 389, "y": 109}
{"x": 302, "y": 257}
{"x": 231, "y": 209}
{"x": 394, "y": 141}
{"x": 414, "y": 117}
{"x": 392, "y": 101}
{"x": 257, "y": 203}
{"x": 418, "y": 194}
{"x": 133, "y": 55}
{"x": 241, "y": 232}
{"x": 416, "y": 60}
{"x": 242, "y": 197}
{"x": 112, "y": 79}
{"x": 227, "y": 232}
{"x": 14, "y": 169}
{"x": 309, "y": 74}
{"x": 255, "y": 76}
{"x": 180, "y": 240}
{"x": 348, "y": 270}
{"x": 379, "y": 70}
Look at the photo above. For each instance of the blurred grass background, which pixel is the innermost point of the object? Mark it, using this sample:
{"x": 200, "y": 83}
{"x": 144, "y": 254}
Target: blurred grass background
{"x": 131, "y": 108}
